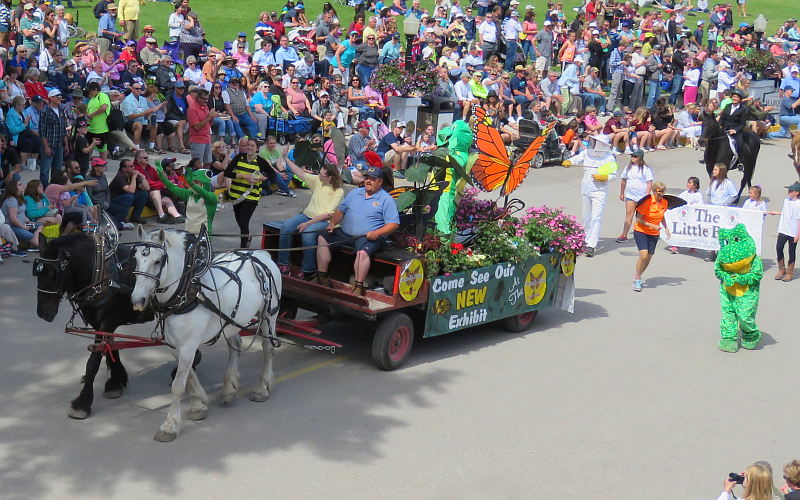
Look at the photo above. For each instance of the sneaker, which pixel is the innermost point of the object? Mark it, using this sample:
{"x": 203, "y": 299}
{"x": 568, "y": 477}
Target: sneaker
{"x": 628, "y": 151}
{"x": 33, "y": 249}
{"x": 621, "y": 239}
{"x": 637, "y": 285}
{"x": 127, "y": 226}
{"x": 178, "y": 220}
{"x": 166, "y": 219}
{"x": 18, "y": 253}
{"x": 282, "y": 193}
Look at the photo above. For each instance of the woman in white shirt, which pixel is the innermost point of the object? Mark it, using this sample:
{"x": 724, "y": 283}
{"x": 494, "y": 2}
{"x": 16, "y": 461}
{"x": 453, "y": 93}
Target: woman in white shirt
{"x": 721, "y": 191}
{"x": 193, "y": 73}
{"x": 636, "y": 182}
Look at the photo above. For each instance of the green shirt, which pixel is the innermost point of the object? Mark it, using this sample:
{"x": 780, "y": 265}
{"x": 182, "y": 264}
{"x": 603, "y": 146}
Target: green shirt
{"x": 97, "y": 123}
{"x": 26, "y": 24}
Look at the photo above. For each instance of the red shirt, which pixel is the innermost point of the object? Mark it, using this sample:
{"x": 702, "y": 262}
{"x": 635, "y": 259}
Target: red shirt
{"x": 35, "y": 88}
{"x": 151, "y": 175}
{"x": 197, "y": 114}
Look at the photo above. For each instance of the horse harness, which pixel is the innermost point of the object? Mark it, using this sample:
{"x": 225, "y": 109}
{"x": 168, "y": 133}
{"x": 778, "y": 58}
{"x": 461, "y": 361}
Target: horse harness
{"x": 101, "y": 279}
{"x": 191, "y": 292}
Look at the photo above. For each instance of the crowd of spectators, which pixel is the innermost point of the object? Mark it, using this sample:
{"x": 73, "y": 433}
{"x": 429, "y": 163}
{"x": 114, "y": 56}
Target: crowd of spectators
{"x": 640, "y": 75}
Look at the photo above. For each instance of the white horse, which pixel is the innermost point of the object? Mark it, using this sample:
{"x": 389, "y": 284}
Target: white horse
{"x": 238, "y": 289}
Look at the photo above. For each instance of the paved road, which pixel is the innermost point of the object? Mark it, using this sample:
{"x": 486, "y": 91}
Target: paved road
{"x": 628, "y": 398}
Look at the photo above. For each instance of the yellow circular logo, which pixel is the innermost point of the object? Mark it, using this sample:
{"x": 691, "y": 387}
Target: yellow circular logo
{"x": 411, "y": 278}
{"x": 535, "y": 284}
{"x": 568, "y": 264}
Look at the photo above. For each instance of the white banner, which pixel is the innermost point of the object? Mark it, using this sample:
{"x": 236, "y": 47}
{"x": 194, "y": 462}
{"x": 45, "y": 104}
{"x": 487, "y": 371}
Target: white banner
{"x": 697, "y": 226}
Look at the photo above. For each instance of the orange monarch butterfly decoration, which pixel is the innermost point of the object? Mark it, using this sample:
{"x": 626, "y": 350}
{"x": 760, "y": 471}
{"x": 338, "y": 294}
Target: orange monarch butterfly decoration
{"x": 493, "y": 168}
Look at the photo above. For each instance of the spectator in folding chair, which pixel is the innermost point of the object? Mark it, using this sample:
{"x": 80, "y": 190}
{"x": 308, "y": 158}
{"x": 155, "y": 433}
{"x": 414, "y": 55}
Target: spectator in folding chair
{"x": 260, "y": 105}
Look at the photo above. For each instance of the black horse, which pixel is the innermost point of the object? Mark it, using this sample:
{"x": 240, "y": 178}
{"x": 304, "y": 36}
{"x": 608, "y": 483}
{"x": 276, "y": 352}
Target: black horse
{"x": 66, "y": 267}
{"x": 718, "y": 149}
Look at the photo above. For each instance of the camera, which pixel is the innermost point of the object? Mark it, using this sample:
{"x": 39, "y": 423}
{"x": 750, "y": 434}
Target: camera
{"x": 736, "y": 478}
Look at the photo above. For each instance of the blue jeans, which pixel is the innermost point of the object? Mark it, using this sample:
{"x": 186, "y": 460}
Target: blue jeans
{"x": 120, "y": 204}
{"x": 677, "y": 83}
{"x": 364, "y": 73}
{"x": 654, "y": 89}
{"x": 528, "y": 50}
{"x": 224, "y": 127}
{"x": 785, "y": 121}
{"x": 245, "y": 122}
{"x": 56, "y": 161}
{"x": 308, "y": 239}
{"x": 595, "y": 100}
{"x": 22, "y": 235}
{"x": 283, "y": 184}
{"x": 511, "y": 53}
{"x": 364, "y": 112}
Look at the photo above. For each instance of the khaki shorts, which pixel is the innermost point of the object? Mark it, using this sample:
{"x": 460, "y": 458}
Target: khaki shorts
{"x": 541, "y": 63}
{"x": 389, "y": 157}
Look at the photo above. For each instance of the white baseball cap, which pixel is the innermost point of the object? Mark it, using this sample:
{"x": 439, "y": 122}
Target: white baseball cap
{"x": 547, "y": 23}
{"x": 529, "y": 7}
{"x": 700, "y": 23}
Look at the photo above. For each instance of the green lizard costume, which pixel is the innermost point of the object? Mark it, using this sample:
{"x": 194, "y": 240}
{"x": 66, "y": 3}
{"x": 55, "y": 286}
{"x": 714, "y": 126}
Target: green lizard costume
{"x": 201, "y": 202}
{"x": 458, "y": 139}
{"x": 739, "y": 270}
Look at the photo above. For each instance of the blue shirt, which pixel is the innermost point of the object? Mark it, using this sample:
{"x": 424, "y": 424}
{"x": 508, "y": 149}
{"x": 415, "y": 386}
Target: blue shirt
{"x": 794, "y": 83}
{"x": 288, "y": 54}
{"x": 386, "y": 143}
{"x": 260, "y": 98}
{"x": 108, "y": 23}
{"x": 348, "y": 54}
{"x": 34, "y": 114}
{"x": 133, "y": 106}
{"x": 363, "y": 214}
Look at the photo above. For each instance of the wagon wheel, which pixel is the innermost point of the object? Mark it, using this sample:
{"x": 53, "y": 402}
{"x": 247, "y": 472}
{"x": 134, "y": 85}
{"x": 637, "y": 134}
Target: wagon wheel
{"x": 520, "y": 322}
{"x": 393, "y": 340}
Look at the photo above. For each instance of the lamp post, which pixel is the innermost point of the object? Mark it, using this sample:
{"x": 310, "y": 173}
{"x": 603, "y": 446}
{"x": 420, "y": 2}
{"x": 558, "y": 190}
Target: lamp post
{"x": 411, "y": 28}
{"x": 759, "y": 27}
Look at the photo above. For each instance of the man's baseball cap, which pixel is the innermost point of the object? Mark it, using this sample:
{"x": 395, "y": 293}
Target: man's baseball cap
{"x": 529, "y": 7}
{"x": 324, "y": 94}
{"x": 377, "y": 173}
{"x": 514, "y": 13}
{"x": 150, "y": 40}
{"x": 795, "y": 186}
{"x": 242, "y": 33}
{"x": 700, "y": 22}
{"x": 168, "y": 161}
{"x": 28, "y": 6}
{"x": 53, "y": 93}
{"x": 179, "y": 84}
{"x": 363, "y": 124}
{"x": 37, "y": 98}
{"x": 548, "y": 23}
{"x": 97, "y": 161}
{"x": 657, "y": 47}
{"x": 400, "y": 124}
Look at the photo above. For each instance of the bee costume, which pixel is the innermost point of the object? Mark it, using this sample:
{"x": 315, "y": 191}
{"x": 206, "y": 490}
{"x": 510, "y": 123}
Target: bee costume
{"x": 739, "y": 270}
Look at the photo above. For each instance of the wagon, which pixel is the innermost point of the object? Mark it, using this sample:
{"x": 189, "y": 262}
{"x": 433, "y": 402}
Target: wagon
{"x": 405, "y": 304}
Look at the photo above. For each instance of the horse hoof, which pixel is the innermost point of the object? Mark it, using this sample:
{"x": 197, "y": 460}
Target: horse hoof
{"x": 77, "y": 414}
{"x": 112, "y": 393}
{"x": 165, "y": 437}
{"x": 196, "y": 415}
{"x": 228, "y": 398}
{"x": 258, "y": 398}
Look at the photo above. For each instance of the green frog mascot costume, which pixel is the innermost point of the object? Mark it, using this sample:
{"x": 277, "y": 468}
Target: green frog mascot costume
{"x": 200, "y": 199}
{"x": 739, "y": 270}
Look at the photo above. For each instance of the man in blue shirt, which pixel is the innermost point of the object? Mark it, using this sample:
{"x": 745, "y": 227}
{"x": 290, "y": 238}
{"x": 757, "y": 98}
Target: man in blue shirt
{"x": 106, "y": 28}
{"x": 792, "y": 82}
{"x": 286, "y": 54}
{"x": 787, "y": 115}
{"x": 393, "y": 150}
{"x": 367, "y": 215}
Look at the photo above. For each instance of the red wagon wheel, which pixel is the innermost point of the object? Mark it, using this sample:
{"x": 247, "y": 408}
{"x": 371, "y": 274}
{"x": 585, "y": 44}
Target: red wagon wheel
{"x": 393, "y": 340}
{"x": 520, "y": 322}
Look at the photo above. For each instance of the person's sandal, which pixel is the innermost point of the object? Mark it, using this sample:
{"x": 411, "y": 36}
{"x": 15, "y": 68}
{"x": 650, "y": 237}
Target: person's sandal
{"x": 358, "y": 289}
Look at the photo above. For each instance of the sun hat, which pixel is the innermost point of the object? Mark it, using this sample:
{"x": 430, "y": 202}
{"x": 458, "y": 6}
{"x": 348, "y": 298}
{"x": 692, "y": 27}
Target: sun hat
{"x": 149, "y": 28}
{"x": 150, "y": 40}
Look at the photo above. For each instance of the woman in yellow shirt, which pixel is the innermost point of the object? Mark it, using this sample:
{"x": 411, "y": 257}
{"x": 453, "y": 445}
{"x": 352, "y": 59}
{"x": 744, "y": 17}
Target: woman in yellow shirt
{"x": 326, "y": 195}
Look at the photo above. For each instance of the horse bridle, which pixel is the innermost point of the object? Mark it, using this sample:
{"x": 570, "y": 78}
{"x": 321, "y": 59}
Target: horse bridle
{"x": 60, "y": 265}
{"x": 146, "y": 247}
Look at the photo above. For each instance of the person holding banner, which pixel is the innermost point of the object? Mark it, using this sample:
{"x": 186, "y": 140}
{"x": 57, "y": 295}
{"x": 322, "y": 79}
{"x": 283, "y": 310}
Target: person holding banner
{"x": 649, "y": 221}
{"x": 788, "y": 232}
{"x": 721, "y": 192}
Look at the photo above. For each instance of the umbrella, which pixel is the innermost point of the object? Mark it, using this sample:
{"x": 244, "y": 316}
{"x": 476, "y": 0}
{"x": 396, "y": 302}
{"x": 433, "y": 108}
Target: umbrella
{"x": 672, "y": 201}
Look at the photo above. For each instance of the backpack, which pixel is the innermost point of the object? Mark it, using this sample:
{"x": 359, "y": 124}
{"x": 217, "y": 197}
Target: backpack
{"x": 100, "y": 8}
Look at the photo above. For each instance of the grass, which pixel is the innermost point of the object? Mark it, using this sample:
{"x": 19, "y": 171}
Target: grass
{"x": 222, "y": 21}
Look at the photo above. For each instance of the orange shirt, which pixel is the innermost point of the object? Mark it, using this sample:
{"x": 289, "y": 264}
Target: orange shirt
{"x": 652, "y": 213}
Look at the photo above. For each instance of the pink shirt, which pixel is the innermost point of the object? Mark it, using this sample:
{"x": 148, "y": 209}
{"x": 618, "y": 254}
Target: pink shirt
{"x": 296, "y": 100}
{"x": 529, "y": 26}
